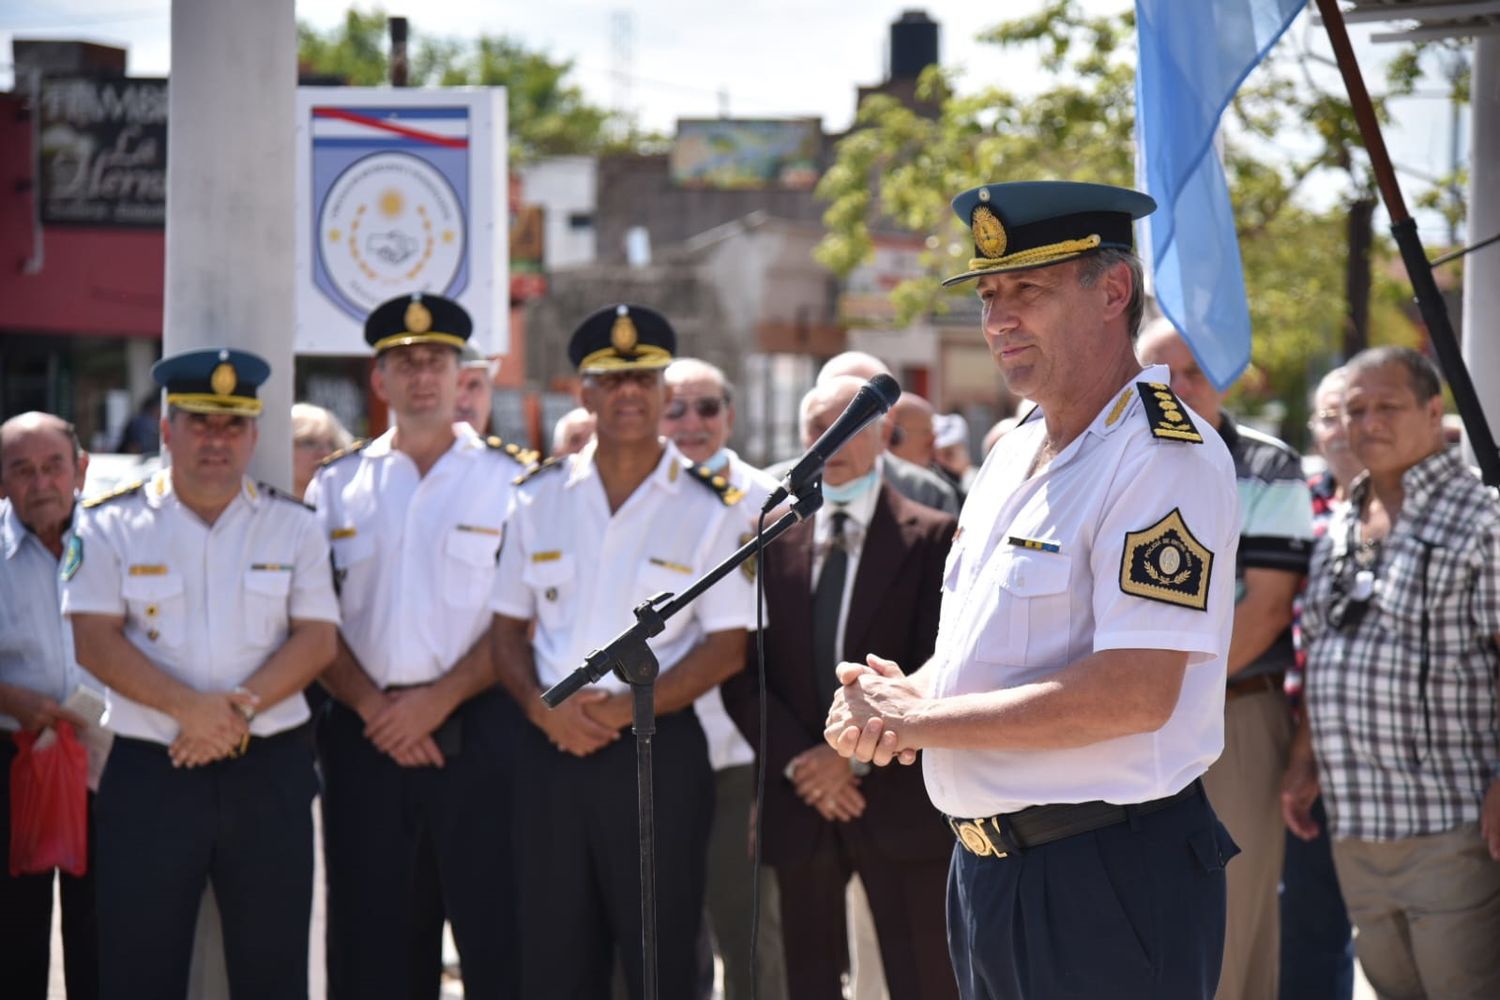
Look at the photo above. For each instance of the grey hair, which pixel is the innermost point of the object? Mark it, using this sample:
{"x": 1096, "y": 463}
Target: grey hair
{"x": 1092, "y": 267}
{"x": 687, "y": 368}
{"x": 1421, "y": 373}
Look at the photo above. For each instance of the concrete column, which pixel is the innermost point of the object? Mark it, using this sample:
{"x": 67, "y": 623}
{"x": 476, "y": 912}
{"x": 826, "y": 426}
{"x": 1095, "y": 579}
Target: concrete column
{"x": 140, "y": 355}
{"x": 229, "y": 196}
{"x": 1481, "y": 310}
{"x": 229, "y": 275}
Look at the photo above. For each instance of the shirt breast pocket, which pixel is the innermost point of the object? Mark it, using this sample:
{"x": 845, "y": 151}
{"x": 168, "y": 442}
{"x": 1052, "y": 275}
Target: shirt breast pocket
{"x": 266, "y": 611}
{"x": 1031, "y": 620}
{"x": 469, "y": 566}
{"x": 654, "y": 579}
{"x": 554, "y": 584}
{"x": 351, "y": 553}
{"x": 158, "y": 607}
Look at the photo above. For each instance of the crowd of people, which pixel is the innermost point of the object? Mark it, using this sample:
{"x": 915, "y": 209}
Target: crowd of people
{"x": 1189, "y": 724}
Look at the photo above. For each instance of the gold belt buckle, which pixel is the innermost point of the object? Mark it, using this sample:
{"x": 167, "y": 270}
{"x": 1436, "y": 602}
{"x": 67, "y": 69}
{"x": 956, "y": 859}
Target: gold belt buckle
{"x": 976, "y": 840}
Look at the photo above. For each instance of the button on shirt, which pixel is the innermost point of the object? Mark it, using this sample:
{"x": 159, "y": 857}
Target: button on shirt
{"x": 415, "y": 555}
{"x": 1015, "y": 614}
{"x": 579, "y": 570}
{"x": 726, "y": 747}
{"x": 207, "y": 605}
{"x": 36, "y": 642}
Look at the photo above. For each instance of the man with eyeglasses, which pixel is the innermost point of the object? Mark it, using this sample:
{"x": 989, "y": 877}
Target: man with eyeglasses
{"x": 417, "y": 746}
{"x": 1402, "y": 617}
{"x": 699, "y": 419}
{"x": 593, "y": 535}
{"x": 203, "y": 600}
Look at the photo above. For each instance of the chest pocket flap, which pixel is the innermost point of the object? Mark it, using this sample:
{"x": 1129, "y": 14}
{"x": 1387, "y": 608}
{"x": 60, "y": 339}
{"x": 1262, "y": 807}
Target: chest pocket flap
{"x": 1029, "y": 623}
{"x": 157, "y": 604}
{"x": 553, "y": 582}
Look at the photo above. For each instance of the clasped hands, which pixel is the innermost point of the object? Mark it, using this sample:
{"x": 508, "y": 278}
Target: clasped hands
{"x": 211, "y": 725}
{"x": 867, "y": 718}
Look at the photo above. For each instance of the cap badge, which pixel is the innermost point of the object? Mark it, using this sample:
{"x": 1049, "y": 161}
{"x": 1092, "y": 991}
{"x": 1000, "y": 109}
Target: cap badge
{"x": 223, "y": 380}
{"x": 623, "y": 336}
{"x": 418, "y": 318}
{"x": 989, "y": 234}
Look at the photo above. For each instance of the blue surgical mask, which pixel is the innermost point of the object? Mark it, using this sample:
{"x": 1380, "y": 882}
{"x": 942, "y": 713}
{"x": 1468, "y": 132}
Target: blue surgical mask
{"x": 717, "y": 460}
{"x": 852, "y": 490}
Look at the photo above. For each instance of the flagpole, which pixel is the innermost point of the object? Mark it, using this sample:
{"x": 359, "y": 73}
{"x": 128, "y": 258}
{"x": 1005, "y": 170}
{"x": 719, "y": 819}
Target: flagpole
{"x": 1418, "y": 267}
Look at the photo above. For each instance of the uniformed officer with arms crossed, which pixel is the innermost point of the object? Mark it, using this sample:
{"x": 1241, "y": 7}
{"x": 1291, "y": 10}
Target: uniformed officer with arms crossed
{"x": 1076, "y": 693}
{"x": 416, "y": 749}
{"x": 203, "y": 600}
{"x": 592, "y": 536}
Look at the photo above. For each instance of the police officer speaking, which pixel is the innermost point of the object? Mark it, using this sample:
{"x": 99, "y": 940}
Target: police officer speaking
{"x": 1076, "y": 692}
{"x": 204, "y": 601}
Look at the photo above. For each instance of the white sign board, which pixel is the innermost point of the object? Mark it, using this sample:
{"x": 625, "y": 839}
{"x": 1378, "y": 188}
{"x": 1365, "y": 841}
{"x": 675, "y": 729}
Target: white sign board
{"x": 400, "y": 190}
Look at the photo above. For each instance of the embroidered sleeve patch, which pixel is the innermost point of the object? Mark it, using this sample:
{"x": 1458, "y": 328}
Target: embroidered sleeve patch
{"x": 72, "y": 558}
{"x": 1166, "y": 563}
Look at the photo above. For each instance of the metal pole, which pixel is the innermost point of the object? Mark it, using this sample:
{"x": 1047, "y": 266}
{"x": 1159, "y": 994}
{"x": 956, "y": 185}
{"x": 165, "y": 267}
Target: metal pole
{"x": 1482, "y": 264}
{"x": 1418, "y": 267}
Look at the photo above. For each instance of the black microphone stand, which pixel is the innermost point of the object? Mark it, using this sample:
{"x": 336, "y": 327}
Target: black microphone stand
{"x": 631, "y": 660}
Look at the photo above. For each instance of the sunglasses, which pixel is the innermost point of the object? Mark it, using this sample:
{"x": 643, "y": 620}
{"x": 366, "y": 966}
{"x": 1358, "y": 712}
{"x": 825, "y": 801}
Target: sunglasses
{"x": 707, "y": 408}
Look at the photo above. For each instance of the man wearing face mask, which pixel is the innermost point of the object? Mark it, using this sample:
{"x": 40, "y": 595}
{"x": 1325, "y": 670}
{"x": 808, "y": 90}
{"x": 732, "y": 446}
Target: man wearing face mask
{"x": 863, "y": 577}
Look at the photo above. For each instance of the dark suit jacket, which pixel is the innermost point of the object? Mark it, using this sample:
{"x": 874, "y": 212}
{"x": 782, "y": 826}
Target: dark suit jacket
{"x": 893, "y": 612}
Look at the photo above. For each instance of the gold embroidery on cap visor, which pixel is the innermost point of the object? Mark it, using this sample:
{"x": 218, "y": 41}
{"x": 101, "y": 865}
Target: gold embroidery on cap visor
{"x": 608, "y": 359}
{"x": 410, "y": 337}
{"x": 1052, "y": 253}
{"x": 207, "y": 402}
{"x": 223, "y": 380}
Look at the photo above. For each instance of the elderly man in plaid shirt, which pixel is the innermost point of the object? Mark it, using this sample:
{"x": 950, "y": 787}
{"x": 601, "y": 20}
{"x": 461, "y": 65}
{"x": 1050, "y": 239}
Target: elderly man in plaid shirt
{"x": 1401, "y": 617}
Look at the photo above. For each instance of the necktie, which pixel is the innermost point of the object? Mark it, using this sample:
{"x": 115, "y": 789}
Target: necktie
{"x": 827, "y": 597}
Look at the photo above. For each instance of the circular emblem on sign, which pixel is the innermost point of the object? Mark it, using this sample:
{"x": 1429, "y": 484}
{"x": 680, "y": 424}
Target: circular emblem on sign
{"x": 989, "y": 234}
{"x": 1170, "y": 560}
{"x": 223, "y": 380}
{"x": 418, "y": 318}
{"x": 391, "y": 223}
{"x": 623, "y": 336}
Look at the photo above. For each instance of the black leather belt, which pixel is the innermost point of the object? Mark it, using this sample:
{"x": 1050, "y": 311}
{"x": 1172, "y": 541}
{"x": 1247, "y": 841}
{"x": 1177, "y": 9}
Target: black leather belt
{"x": 1011, "y": 833}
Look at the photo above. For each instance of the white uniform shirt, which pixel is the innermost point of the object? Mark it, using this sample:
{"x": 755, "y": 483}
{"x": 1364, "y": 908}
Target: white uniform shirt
{"x": 207, "y": 605}
{"x": 36, "y": 642}
{"x": 1014, "y": 614}
{"x": 579, "y": 570}
{"x": 726, "y": 747}
{"x": 414, "y": 555}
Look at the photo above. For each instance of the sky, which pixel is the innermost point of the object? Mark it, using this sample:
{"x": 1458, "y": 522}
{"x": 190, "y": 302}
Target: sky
{"x": 765, "y": 58}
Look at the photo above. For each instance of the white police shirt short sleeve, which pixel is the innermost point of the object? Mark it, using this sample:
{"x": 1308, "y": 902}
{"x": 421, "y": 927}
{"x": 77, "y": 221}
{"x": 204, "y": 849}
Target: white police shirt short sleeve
{"x": 414, "y": 556}
{"x": 207, "y": 605}
{"x": 579, "y": 570}
{"x": 1126, "y": 540}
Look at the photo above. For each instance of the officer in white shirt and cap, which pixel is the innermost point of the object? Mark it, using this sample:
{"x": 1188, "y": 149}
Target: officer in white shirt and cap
{"x": 416, "y": 746}
{"x": 1075, "y": 696}
{"x": 203, "y": 600}
{"x": 594, "y": 535}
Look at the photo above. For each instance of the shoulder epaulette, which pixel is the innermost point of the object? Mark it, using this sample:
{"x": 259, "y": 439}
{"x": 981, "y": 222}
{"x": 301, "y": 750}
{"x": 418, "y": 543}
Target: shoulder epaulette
{"x": 114, "y": 494}
{"x": 283, "y": 495}
{"x": 353, "y": 449}
{"x": 555, "y": 462}
{"x": 523, "y": 455}
{"x": 1166, "y": 414}
{"x": 720, "y": 485}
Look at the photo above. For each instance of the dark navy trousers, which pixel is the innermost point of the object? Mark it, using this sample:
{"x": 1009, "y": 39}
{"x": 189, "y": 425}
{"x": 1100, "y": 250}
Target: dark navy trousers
{"x": 394, "y": 836}
{"x": 246, "y": 826}
{"x": 1134, "y": 910}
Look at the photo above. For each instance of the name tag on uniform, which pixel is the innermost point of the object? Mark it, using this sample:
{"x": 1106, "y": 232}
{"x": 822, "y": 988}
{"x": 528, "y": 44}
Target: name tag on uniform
{"x": 542, "y": 557}
{"x": 272, "y": 567}
{"x": 668, "y": 564}
{"x": 338, "y": 533}
{"x": 1033, "y": 543}
{"x": 146, "y": 569}
{"x": 479, "y": 529}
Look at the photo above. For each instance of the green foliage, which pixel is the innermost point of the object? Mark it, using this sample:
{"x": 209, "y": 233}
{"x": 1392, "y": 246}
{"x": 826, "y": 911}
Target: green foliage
{"x": 547, "y": 115}
{"x": 896, "y": 171}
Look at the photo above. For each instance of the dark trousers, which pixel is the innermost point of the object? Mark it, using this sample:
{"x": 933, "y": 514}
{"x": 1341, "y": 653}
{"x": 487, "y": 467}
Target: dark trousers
{"x": 26, "y": 915}
{"x": 1135, "y": 910}
{"x": 244, "y": 825}
{"x": 1317, "y": 949}
{"x": 906, "y": 901}
{"x": 580, "y": 881}
{"x": 395, "y": 838}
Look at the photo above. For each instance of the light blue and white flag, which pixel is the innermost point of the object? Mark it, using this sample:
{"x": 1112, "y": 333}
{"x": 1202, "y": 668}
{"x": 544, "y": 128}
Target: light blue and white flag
{"x": 1194, "y": 54}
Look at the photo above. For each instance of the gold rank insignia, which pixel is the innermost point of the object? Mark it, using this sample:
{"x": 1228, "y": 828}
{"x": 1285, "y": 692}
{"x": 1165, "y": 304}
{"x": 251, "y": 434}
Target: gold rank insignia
{"x": 418, "y": 318}
{"x": 1166, "y": 563}
{"x": 223, "y": 380}
{"x": 989, "y": 233}
{"x": 1166, "y": 413}
{"x": 623, "y": 336}
{"x": 728, "y": 494}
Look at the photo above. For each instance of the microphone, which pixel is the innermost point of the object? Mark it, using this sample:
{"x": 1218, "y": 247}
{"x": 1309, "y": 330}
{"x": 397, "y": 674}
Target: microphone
{"x": 874, "y": 398}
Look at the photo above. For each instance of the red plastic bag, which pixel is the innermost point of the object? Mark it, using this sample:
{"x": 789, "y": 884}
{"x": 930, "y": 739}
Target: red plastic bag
{"x": 49, "y": 826}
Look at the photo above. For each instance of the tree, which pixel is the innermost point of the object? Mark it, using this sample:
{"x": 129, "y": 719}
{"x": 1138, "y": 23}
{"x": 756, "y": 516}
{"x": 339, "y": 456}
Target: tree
{"x": 548, "y": 115}
{"x": 897, "y": 170}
